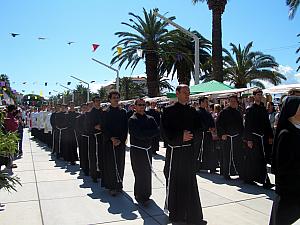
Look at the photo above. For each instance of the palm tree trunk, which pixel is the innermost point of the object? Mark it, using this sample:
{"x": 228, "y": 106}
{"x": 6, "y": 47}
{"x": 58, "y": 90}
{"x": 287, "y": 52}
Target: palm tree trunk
{"x": 217, "y": 8}
{"x": 183, "y": 73}
{"x": 152, "y": 74}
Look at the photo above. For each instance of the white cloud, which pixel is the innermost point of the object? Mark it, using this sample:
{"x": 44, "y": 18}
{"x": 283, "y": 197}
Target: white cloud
{"x": 94, "y": 87}
{"x": 284, "y": 69}
{"x": 297, "y": 75}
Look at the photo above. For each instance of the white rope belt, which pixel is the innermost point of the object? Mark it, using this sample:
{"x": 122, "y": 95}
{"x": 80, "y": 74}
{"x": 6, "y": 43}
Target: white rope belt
{"x": 97, "y": 160}
{"x": 231, "y": 153}
{"x": 150, "y": 164}
{"x": 263, "y": 147}
{"x": 119, "y": 180}
{"x": 59, "y": 139}
{"x": 169, "y": 176}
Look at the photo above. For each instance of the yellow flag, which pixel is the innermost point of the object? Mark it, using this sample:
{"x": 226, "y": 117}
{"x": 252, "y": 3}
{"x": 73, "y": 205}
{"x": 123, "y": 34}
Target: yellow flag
{"x": 41, "y": 93}
{"x": 4, "y": 89}
{"x": 119, "y": 49}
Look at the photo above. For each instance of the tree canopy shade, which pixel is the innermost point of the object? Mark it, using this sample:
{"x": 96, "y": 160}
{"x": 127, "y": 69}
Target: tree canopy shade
{"x": 149, "y": 33}
{"x": 293, "y": 6}
{"x": 244, "y": 67}
{"x": 217, "y": 7}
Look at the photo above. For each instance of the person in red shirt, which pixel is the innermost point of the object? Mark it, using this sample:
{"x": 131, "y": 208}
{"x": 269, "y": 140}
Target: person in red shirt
{"x": 11, "y": 125}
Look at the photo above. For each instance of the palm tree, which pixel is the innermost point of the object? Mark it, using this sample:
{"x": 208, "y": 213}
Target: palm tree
{"x": 293, "y": 5}
{"x": 298, "y": 60}
{"x": 217, "y": 7}
{"x": 179, "y": 55}
{"x": 249, "y": 67}
{"x": 129, "y": 89}
{"x": 102, "y": 94}
{"x": 164, "y": 84}
{"x": 149, "y": 33}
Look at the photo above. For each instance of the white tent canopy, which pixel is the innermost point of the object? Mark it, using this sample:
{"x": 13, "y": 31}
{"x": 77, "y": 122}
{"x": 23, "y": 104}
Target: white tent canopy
{"x": 281, "y": 89}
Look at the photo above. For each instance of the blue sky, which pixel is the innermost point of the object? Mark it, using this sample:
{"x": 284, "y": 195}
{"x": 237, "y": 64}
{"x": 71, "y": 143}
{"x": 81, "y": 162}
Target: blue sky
{"x": 27, "y": 59}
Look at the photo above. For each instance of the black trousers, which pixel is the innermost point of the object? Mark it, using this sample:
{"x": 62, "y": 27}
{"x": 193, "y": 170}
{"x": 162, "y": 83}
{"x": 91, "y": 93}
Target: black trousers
{"x": 285, "y": 210}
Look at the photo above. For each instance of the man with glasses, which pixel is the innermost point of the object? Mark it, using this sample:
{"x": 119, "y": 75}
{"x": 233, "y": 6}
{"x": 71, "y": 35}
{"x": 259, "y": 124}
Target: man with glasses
{"x": 115, "y": 134}
{"x": 180, "y": 131}
{"x": 258, "y": 133}
{"x": 142, "y": 129}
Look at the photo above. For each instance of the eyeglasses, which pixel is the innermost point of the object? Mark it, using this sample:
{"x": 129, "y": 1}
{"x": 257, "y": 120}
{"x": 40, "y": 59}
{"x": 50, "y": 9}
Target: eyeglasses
{"x": 141, "y": 104}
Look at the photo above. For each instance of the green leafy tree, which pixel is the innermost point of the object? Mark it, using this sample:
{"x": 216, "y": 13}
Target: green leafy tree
{"x": 102, "y": 94}
{"x": 217, "y": 7}
{"x": 293, "y": 6}
{"x": 244, "y": 67}
{"x": 8, "y": 91}
{"x": 149, "y": 33}
{"x": 129, "y": 89}
{"x": 8, "y": 146}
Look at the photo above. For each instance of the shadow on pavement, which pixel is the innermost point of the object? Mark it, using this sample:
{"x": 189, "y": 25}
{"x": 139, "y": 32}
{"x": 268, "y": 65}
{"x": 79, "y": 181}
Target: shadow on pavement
{"x": 243, "y": 187}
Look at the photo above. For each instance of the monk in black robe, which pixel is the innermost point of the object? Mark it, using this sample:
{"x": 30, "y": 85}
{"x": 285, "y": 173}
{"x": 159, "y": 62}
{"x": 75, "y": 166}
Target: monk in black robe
{"x": 230, "y": 129}
{"x": 142, "y": 130}
{"x": 286, "y": 166}
{"x": 179, "y": 130}
{"x": 207, "y": 157}
{"x": 258, "y": 134}
{"x": 115, "y": 135}
{"x": 55, "y": 132}
{"x": 156, "y": 115}
{"x": 82, "y": 137}
{"x": 94, "y": 128}
{"x": 61, "y": 122}
{"x": 70, "y": 151}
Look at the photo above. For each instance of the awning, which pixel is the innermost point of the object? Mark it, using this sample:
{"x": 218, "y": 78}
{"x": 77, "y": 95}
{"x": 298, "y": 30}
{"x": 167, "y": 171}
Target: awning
{"x": 210, "y": 86}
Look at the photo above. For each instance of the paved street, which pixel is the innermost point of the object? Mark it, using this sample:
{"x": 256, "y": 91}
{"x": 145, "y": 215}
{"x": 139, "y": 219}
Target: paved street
{"x": 55, "y": 193}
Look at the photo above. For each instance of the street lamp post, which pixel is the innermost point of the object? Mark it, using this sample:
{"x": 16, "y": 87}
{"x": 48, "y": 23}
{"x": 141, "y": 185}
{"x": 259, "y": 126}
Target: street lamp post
{"x": 88, "y": 88}
{"x": 69, "y": 90}
{"x": 195, "y": 37}
{"x": 109, "y": 67}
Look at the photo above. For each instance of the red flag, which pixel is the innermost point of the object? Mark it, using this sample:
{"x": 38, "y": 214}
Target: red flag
{"x": 95, "y": 46}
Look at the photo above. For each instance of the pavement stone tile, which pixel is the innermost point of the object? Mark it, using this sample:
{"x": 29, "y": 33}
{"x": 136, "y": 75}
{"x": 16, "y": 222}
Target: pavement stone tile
{"x": 20, "y": 213}
{"x": 93, "y": 209}
{"x": 26, "y": 192}
{"x": 234, "y": 214}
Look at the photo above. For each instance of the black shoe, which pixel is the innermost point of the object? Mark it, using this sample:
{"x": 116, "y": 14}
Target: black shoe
{"x": 250, "y": 182}
{"x": 268, "y": 186}
{"x": 227, "y": 177}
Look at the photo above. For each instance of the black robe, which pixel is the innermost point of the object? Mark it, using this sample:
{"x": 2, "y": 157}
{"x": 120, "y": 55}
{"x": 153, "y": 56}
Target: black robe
{"x": 70, "y": 151}
{"x": 286, "y": 206}
{"x": 55, "y": 133}
{"x": 230, "y": 122}
{"x": 142, "y": 129}
{"x": 208, "y": 159}
{"x": 256, "y": 123}
{"x": 61, "y": 122}
{"x": 155, "y": 141}
{"x": 83, "y": 139}
{"x": 115, "y": 125}
{"x": 95, "y": 117}
{"x": 182, "y": 200}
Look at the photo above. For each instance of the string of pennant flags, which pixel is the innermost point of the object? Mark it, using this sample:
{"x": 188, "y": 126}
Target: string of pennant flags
{"x": 95, "y": 46}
